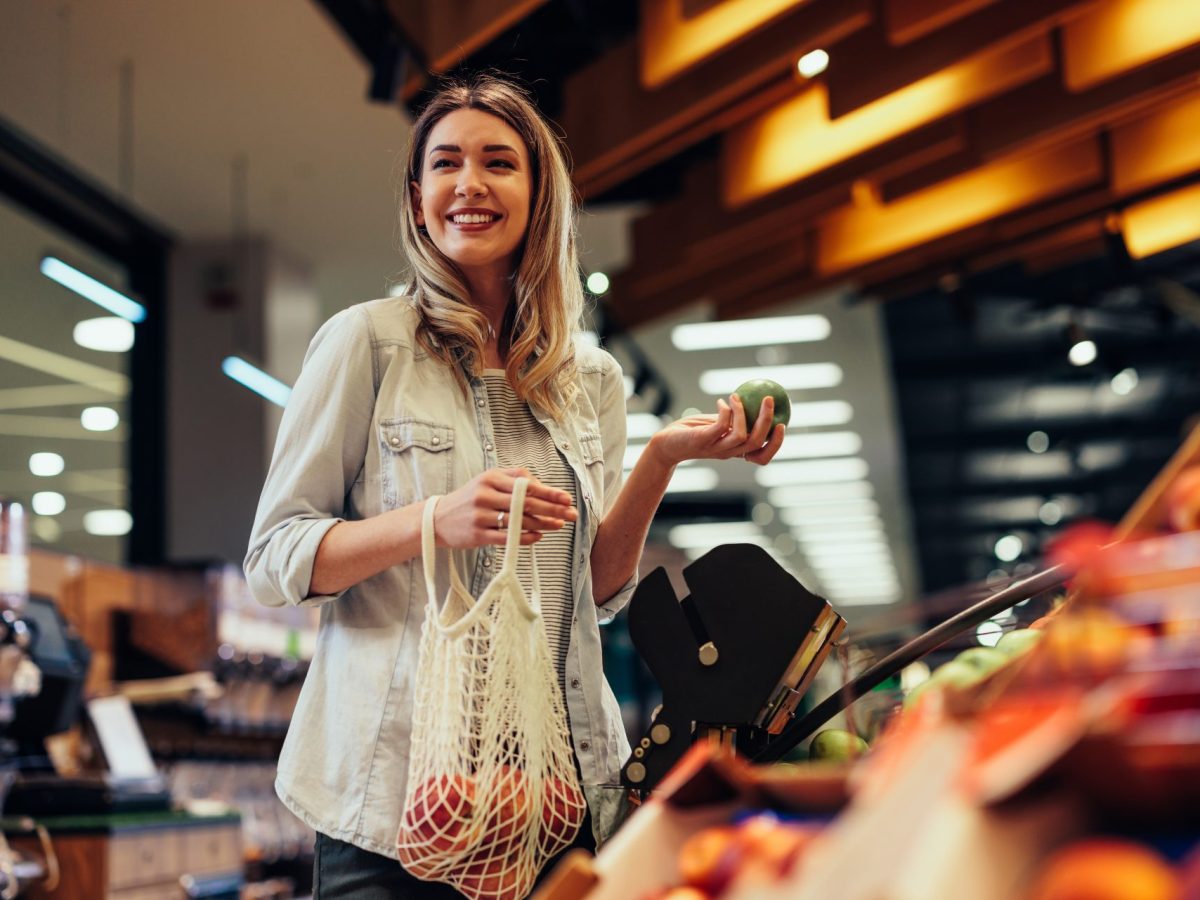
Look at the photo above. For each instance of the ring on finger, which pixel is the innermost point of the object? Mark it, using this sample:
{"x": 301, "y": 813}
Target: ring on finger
{"x": 500, "y": 519}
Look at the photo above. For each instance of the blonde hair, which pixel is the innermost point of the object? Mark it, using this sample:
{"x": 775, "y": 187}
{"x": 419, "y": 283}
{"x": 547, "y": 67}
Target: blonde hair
{"x": 537, "y": 335}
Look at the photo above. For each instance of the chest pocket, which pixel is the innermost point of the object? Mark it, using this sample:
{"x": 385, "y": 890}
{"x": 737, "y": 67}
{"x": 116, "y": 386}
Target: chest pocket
{"x": 417, "y": 460}
{"x": 593, "y": 459}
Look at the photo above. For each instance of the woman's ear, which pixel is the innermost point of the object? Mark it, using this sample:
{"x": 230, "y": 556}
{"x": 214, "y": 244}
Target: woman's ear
{"x": 415, "y": 187}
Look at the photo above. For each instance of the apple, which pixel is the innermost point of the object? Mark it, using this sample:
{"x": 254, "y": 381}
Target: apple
{"x": 437, "y": 822}
{"x": 753, "y": 392}
{"x": 955, "y": 673}
{"x": 1105, "y": 869}
{"x": 708, "y": 859}
{"x": 496, "y": 879}
{"x": 562, "y": 813}
{"x": 983, "y": 659}
{"x": 509, "y": 806}
{"x": 1183, "y": 500}
{"x": 836, "y": 745}
{"x": 1022, "y": 640}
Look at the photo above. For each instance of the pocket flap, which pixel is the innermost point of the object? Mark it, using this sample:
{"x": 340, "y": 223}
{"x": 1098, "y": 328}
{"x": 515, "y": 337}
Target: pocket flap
{"x": 399, "y": 435}
{"x": 591, "y": 447}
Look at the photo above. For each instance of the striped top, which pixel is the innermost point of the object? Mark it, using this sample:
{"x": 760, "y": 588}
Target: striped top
{"x": 523, "y": 442}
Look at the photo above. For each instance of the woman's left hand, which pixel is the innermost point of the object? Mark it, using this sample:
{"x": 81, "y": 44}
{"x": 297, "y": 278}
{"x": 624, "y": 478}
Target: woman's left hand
{"x": 720, "y": 436}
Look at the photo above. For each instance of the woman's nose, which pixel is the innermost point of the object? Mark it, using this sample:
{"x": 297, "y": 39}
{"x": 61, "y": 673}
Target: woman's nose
{"x": 469, "y": 185}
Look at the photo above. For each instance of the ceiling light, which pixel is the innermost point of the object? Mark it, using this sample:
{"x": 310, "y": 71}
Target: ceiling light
{"x": 804, "y": 494}
{"x": 750, "y": 332}
{"x": 48, "y": 503}
{"x": 1082, "y": 352}
{"x": 820, "y": 412}
{"x": 107, "y": 522}
{"x": 256, "y": 379}
{"x": 762, "y": 513}
{"x": 1038, "y": 441}
{"x": 709, "y": 534}
{"x": 1009, "y": 548}
{"x": 46, "y": 464}
{"x": 813, "y": 63}
{"x": 99, "y": 418}
{"x": 989, "y": 633}
{"x": 816, "y": 471}
{"x": 799, "y": 376}
{"x": 816, "y": 446}
{"x": 639, "y": 426}
{"x": 849, "y": 552}
{"x": 1124, "y": 382}
{"x": 858, "y": 525}
{"x": 818, "y": 511}
{"x": 90, "y": 289}
{"x": 597, "y": 283}
{"x": 687, "y": 481}
{"x": 108, "y": 334}
{"x": 47, "y": 529}
{"x": 1050, "y": 513}
{"x": 799, "y": 515}
{"x": 867, "y": 599}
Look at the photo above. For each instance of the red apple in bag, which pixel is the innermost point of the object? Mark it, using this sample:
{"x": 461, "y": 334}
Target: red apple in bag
{"x": 509, "y": 806}
{"x": 562, "y": 813}
{"x": 439, "y": 818}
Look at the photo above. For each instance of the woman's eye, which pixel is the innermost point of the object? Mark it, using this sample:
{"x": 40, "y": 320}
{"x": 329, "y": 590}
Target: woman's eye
{"x": 502, "y": 162}
{"x": 439, "y": 164}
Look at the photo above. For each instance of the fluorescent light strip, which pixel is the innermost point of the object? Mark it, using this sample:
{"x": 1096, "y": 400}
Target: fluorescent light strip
{"x": 817, "y": 511}
{"x": 867, "y": 599}
{"x": 54, "y": 428}
{"x": 820, "y": 412}
{"x": 64, "y": 367}
{"x": 51, "y": 395}
{"x": 818, "y": 446}
{"x": 709, "y": 534}
{"x": 256, "y": 380}
{"x": 806, "y": 494}
{"x": 820, "y": 471}
{"x": 799, "y": 516}
{"x": 801, "y": 376}
{"x": 842, "y": 550}
{"x": 840, "y": 531}
{"x": 750, "y": 332}
{"x": 107, "y": 334}
{"x": 639, "y": 426}
{"x": 695, "y": 552}
{"x": 687, "y": 481}
{"x": 90, "y": 289}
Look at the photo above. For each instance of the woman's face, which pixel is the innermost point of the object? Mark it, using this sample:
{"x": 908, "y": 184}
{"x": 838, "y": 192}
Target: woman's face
{"x": 473, "y": 196}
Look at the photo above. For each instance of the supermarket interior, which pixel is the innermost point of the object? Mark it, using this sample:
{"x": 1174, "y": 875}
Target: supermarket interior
{"x": 926, "y": 628}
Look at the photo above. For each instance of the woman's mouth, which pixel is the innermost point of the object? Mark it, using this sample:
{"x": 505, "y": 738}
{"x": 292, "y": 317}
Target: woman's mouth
{"x": 474, "y": 221}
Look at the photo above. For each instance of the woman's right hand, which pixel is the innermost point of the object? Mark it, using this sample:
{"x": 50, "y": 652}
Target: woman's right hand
{"x": 469, "y": 517}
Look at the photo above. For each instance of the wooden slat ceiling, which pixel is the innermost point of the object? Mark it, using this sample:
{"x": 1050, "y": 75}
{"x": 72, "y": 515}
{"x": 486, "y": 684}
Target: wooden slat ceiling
{"x": 945, "y": 134}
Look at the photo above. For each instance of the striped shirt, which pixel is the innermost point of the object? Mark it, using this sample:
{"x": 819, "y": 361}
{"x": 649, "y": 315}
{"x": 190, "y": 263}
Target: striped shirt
{"x": 523, "y": 442}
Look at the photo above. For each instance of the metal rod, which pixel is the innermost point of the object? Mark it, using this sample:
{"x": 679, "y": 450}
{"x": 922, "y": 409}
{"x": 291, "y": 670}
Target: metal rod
{"x": 910, "y": 652}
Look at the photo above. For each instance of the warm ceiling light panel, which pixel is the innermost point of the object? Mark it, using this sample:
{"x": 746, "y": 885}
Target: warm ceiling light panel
{"x": 1119, "y": 35}
{"x": 1162, "y": 222}
{"x": 1157, "y": 147}
{"x": 853, "y": 236}
{"x": 674, "y": 39}
{"x": 796, "y": 138}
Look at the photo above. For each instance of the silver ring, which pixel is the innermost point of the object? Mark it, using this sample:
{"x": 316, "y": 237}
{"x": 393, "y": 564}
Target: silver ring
{"x": 500, "y": 519}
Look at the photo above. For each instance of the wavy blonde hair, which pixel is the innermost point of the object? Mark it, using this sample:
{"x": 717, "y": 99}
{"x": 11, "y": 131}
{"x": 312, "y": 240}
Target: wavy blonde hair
{"x": 537, "y": 334}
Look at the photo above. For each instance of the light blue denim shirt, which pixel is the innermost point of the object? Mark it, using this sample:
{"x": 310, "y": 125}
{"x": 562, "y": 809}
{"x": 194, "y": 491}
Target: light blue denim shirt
{"x": 375, "y": 423}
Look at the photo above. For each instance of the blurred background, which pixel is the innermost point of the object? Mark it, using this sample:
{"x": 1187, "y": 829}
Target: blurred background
{"x": 964, "y": 235}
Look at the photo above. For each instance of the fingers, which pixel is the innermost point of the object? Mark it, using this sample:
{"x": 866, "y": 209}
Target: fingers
{"x": 762, "y": 426}
{"x": 737, "y": 425}
{"x": 540, "y": 499}
{"x": 765, "y": 454}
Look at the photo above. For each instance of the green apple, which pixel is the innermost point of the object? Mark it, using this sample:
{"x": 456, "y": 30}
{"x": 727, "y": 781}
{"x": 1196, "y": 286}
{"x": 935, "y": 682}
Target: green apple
{"x": 955, "y": 673}
{"x": 836, "y": 745}
{"x": 1020, "y": 641}
{"x": 983, "y": 659}
{"x": 753, "y": 392}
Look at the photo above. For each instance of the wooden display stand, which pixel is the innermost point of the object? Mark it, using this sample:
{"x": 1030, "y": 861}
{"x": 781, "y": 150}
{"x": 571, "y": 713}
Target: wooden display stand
{"x": 138, "y": 856}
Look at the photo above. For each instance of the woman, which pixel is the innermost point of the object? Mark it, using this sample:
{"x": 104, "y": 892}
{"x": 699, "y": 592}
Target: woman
{"x": 458, "y": 389}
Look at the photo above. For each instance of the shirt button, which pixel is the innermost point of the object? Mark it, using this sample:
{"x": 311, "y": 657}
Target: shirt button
{"x": 575, "y": 683}
{"x": 394, "y": 441}
{"x": 566, "y": 445}
{"x": 436, "y": 441}
{"x": 487, "y": 562}
{"x": 479, "y": 402}
{"x": 487, "y": 447}
{"x": 585, "y": 745}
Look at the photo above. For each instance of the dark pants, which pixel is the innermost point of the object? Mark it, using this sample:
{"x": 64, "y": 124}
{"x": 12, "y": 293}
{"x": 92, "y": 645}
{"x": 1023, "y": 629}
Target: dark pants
{"x": 342, "y": 871}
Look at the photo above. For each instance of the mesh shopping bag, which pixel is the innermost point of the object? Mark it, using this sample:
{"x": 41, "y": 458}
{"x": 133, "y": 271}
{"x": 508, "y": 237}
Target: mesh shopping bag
{"x": 492, "y": 788}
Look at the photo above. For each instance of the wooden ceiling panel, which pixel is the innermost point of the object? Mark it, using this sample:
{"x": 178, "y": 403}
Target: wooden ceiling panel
{"x": 797, "y": 139}
{"x": 1159, "y": 147}
{"x": 1162, "y": 222}
{"x": 1121, "y": 35}
{"x": 614, "y": 123}
{"x": 865, "y": 67}
{"x": 674, "y": 38}
{"x": 856, "y": 236}
{"x": 907, "y": 20}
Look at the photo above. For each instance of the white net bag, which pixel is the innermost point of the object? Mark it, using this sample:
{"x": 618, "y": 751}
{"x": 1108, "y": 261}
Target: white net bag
{"x": 492, "y": 789}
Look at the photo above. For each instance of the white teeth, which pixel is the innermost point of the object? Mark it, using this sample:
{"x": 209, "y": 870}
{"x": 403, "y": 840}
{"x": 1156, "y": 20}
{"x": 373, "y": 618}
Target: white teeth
{"x": 472, "y": 219}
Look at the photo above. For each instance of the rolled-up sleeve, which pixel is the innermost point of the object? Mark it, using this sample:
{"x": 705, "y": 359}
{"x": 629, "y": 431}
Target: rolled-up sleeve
{"x": 612, "y": 422}
{"x": 319, "y": 453}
